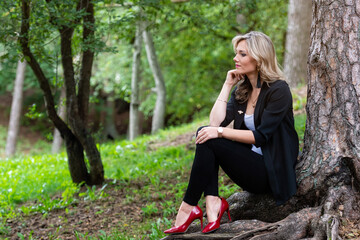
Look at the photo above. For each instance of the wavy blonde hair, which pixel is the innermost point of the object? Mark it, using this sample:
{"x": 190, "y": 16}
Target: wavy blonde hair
{"x": 261, "y": 48}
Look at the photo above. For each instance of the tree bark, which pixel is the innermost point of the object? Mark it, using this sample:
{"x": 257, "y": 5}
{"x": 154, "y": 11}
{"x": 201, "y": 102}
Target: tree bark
{"x": 159, "y": 110}
{"x": 135, "y": 80}
{"x": 58, "y": 140}
{"x": 16, "y": 107}
{"x": 76, "y": 117}
{"x": 332, "y": 136}
{"x": 297, "y": 41}
{"x": 328, "y": 171}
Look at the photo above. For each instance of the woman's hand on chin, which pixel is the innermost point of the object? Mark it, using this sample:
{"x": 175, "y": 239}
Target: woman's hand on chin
{"x": 205, "y": 134}
{"x": 233, "y": 77}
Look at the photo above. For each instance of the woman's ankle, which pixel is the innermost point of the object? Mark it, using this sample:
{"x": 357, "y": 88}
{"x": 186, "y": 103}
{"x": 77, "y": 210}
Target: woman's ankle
{"x": 183, "y": 213}
{"x": 213, "y": 205}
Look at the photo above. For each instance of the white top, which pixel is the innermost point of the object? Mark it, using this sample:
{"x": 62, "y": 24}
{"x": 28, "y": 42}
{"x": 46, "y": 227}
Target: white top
{"x": 249, "y": 123}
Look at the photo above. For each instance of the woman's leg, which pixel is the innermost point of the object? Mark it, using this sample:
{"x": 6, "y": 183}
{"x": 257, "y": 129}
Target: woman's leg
{"x": 204, "y": 175}
{"x": 245, "y": 167}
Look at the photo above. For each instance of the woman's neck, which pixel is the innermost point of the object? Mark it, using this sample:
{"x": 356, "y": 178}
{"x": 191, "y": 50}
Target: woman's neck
{"x": 253, "y": 79}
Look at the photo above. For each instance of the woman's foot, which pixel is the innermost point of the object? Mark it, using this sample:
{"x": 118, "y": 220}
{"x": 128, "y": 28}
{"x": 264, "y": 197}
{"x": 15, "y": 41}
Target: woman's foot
{"x": 213, "y": 204}
{"x": 185, "y": 217}
{"x": 183, "y": 214}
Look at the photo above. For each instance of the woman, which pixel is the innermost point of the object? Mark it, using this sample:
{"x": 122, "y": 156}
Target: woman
{"x": 260, "y": 152}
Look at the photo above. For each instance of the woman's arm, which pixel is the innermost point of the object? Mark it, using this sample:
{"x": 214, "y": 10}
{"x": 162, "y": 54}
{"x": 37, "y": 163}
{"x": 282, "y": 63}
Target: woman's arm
{"x": 218, "y": 112}
{"x": 243, "y": 136}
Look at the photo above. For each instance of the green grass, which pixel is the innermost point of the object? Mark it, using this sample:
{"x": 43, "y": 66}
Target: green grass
{"x": 39, "y": 177}
{"x": 300, "y": 121}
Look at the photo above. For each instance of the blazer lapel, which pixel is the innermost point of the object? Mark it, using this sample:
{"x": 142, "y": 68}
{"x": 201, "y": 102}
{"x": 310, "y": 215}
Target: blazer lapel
{"x": 240, "y": 115}
{"x": 260, "y": 105}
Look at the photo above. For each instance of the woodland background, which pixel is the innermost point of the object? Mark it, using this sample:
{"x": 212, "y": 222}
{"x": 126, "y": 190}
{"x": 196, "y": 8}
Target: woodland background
{"x": 145, "y": 168}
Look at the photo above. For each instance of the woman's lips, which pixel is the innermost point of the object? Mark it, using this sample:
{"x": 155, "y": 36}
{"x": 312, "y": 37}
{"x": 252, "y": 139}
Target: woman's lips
{"x": 236, "y": 65}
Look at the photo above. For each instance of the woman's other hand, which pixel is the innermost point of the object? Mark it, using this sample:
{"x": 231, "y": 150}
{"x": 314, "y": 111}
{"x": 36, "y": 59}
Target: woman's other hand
{"x": 205, "y": 134}
{"x": 233, "y": 77}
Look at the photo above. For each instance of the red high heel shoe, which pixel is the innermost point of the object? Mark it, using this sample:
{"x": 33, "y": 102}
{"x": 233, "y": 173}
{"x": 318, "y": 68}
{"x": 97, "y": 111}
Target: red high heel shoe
{"x": 196, "y": 213}
{"x": 212, "y": 226}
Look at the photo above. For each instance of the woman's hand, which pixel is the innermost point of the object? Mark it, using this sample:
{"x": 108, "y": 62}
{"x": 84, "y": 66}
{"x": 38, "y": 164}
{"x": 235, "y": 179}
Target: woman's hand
{"x": 233, "y": 77}
{"x": 205, "y": 134}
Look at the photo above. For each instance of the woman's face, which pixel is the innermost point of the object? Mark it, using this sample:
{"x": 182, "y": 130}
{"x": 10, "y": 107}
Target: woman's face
{"x": 245, "y": 64}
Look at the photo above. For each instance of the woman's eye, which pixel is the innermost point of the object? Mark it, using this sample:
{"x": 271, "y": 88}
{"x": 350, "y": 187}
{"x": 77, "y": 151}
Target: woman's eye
{"x": 243, "y": 54}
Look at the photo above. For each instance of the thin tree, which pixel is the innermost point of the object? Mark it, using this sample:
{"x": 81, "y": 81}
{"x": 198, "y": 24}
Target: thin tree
{"x": 297, "y": 41}
{"x": 16, "y": 107}
{"x": 58, "y": 140}
{"x": 135, "y": 80}
{"x": 159, "y": 110}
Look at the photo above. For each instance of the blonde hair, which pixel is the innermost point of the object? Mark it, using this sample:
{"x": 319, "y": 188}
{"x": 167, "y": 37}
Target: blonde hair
{"x": 261, "y": 48}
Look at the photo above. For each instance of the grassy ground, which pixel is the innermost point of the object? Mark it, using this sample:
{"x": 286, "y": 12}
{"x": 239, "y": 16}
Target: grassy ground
{"x": 146, "y": 180}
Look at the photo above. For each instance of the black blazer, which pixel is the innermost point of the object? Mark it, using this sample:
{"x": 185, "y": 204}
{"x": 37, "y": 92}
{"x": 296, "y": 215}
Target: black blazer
{"x": 274, "y": 133}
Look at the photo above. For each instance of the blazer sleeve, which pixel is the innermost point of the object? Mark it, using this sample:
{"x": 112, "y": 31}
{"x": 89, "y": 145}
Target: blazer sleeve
{"x": 277, "y": 105}
{"x": 229, "y": 110}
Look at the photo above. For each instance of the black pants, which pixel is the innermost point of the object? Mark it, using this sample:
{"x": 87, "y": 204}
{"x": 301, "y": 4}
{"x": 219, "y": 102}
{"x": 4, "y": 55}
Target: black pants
{"x": 245, "y": 167}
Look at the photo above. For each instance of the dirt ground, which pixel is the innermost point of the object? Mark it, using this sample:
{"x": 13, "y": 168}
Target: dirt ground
{"x": 110, "y": 212}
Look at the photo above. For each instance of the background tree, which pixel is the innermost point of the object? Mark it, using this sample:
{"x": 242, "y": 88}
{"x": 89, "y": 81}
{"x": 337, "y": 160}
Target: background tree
{"x": 134, "y": 123}
{"x": 57, "y": 139}
{"x": 297, "y": 41}
{"x": 65, "y": 16}
{"x": 158, "y": 120}
{"x": 16, "y": 107}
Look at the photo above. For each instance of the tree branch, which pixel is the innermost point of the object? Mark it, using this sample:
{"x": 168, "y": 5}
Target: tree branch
{"x": 87, "y": 59}
{"x": 44, "y": 84}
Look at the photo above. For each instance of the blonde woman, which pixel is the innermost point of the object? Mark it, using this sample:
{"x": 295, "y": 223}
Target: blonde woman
{"x": 259, "y": 153}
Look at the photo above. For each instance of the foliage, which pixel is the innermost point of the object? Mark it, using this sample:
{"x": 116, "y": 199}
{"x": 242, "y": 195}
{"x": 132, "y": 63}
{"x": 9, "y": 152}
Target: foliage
{"x": 193, "y": 47}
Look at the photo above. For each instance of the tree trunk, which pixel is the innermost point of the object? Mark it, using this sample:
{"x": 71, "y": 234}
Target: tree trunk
{"x": 77, "y": 118}
{"x": 331, "y": 156}
{"x": 16, "y": 107}
{"x": 58, "y": 140}
{"x": 297, "y": 41}
{"x": 159, "y": 111}
{"x": 77, "y": 138}
{"x": 328, "y": 171}
{"x": 135, "y": 80}
{"x": 110, "y": 131}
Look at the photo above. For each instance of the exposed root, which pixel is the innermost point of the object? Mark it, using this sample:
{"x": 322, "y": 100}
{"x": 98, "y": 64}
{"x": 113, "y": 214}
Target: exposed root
{"x": 295, "y": 226}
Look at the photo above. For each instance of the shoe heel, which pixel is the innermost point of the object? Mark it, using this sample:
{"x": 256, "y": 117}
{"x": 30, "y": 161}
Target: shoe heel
{"x": 201, "y": 220}
{"x": 228, "y": 212}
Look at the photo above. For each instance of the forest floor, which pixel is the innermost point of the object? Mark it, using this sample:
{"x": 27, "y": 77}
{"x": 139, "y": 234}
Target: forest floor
{"x": 110, "y": 212}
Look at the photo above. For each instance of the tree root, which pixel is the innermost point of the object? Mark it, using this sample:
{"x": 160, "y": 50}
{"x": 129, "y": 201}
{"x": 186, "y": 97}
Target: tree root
{"x": 295, "y": 226}
{"x": 322, "y": 221}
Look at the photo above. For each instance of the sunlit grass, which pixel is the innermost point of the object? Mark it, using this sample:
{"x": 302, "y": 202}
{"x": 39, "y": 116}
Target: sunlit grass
{"x": 25, "y": 178}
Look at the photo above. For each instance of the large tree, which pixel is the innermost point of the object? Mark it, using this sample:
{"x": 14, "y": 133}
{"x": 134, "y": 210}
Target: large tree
{"x": 328, "y": 171}
{"x": 67, "y": 17}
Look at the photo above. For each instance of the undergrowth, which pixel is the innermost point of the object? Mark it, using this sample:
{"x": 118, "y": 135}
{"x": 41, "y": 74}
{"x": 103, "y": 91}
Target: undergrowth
{"x": 163, "y": 171}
